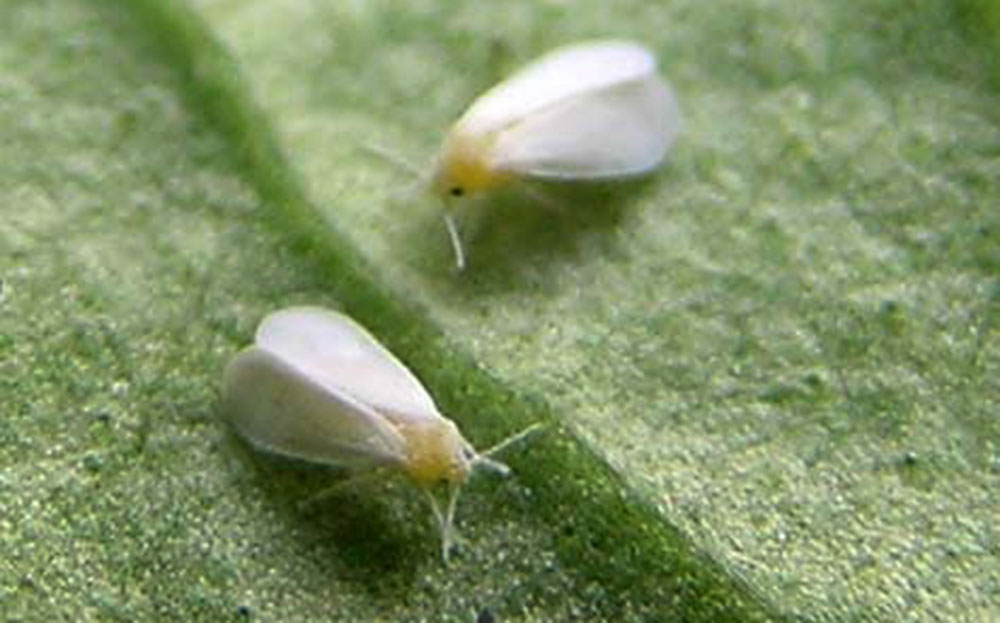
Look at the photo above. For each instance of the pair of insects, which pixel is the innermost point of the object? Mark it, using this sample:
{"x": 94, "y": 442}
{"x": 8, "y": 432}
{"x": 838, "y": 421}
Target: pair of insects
{"x": 316, "y": 386}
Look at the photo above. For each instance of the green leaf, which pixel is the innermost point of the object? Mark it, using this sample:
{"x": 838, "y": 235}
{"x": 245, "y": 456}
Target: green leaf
{"x": 768, "y": 372}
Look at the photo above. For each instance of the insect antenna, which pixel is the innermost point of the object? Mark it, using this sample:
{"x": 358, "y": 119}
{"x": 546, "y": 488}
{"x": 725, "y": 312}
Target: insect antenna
{"x": 484, "y": 458}
{"x": 456, "y": 240}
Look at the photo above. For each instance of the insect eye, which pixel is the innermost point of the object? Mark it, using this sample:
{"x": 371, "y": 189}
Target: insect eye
{"x": 456, "y": 191}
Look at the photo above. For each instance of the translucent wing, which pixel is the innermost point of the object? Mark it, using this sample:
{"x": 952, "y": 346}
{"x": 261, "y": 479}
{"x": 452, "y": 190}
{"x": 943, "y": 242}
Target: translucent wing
{"x": 559, "y": 75}
{"x": 341, "y": 356}
{"x": 280, "y": 409}
{"x": 622, "y": 129}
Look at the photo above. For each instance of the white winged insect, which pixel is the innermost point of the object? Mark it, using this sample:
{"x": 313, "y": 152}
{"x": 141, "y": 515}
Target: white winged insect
{"x": 590, "y": 111}
{"x": 316, "y": 386}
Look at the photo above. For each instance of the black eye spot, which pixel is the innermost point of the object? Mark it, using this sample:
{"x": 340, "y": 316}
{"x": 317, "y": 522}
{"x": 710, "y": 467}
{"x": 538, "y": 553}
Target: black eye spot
{"x": 456, "y": 191}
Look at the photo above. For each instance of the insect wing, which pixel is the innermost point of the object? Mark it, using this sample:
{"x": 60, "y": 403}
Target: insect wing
{"x": 557, "y": 76}
{"x": 623, "y": 129}
{"x": 280, "y": 409}
{"x": 340, "y": 355}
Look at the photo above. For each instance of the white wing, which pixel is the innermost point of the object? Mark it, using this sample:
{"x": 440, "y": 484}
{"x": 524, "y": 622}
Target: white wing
{"x": 559, "y": 75}
{"x": 621, "y": 129}
{"x": 340, "y": 355}
{"x": 279, "y": 408}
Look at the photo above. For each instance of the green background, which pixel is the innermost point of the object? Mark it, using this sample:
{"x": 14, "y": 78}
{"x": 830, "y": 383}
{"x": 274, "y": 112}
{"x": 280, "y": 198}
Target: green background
{"x": 769, "y": 372}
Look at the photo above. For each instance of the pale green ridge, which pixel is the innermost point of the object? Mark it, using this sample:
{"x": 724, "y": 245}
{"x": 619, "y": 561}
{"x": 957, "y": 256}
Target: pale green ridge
{"x": 786, "y": 340}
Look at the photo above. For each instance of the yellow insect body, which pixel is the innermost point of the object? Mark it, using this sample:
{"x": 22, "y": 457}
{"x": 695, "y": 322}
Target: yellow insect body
{"x": 465, "y": 166}
{"x": 436, "y": 452}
